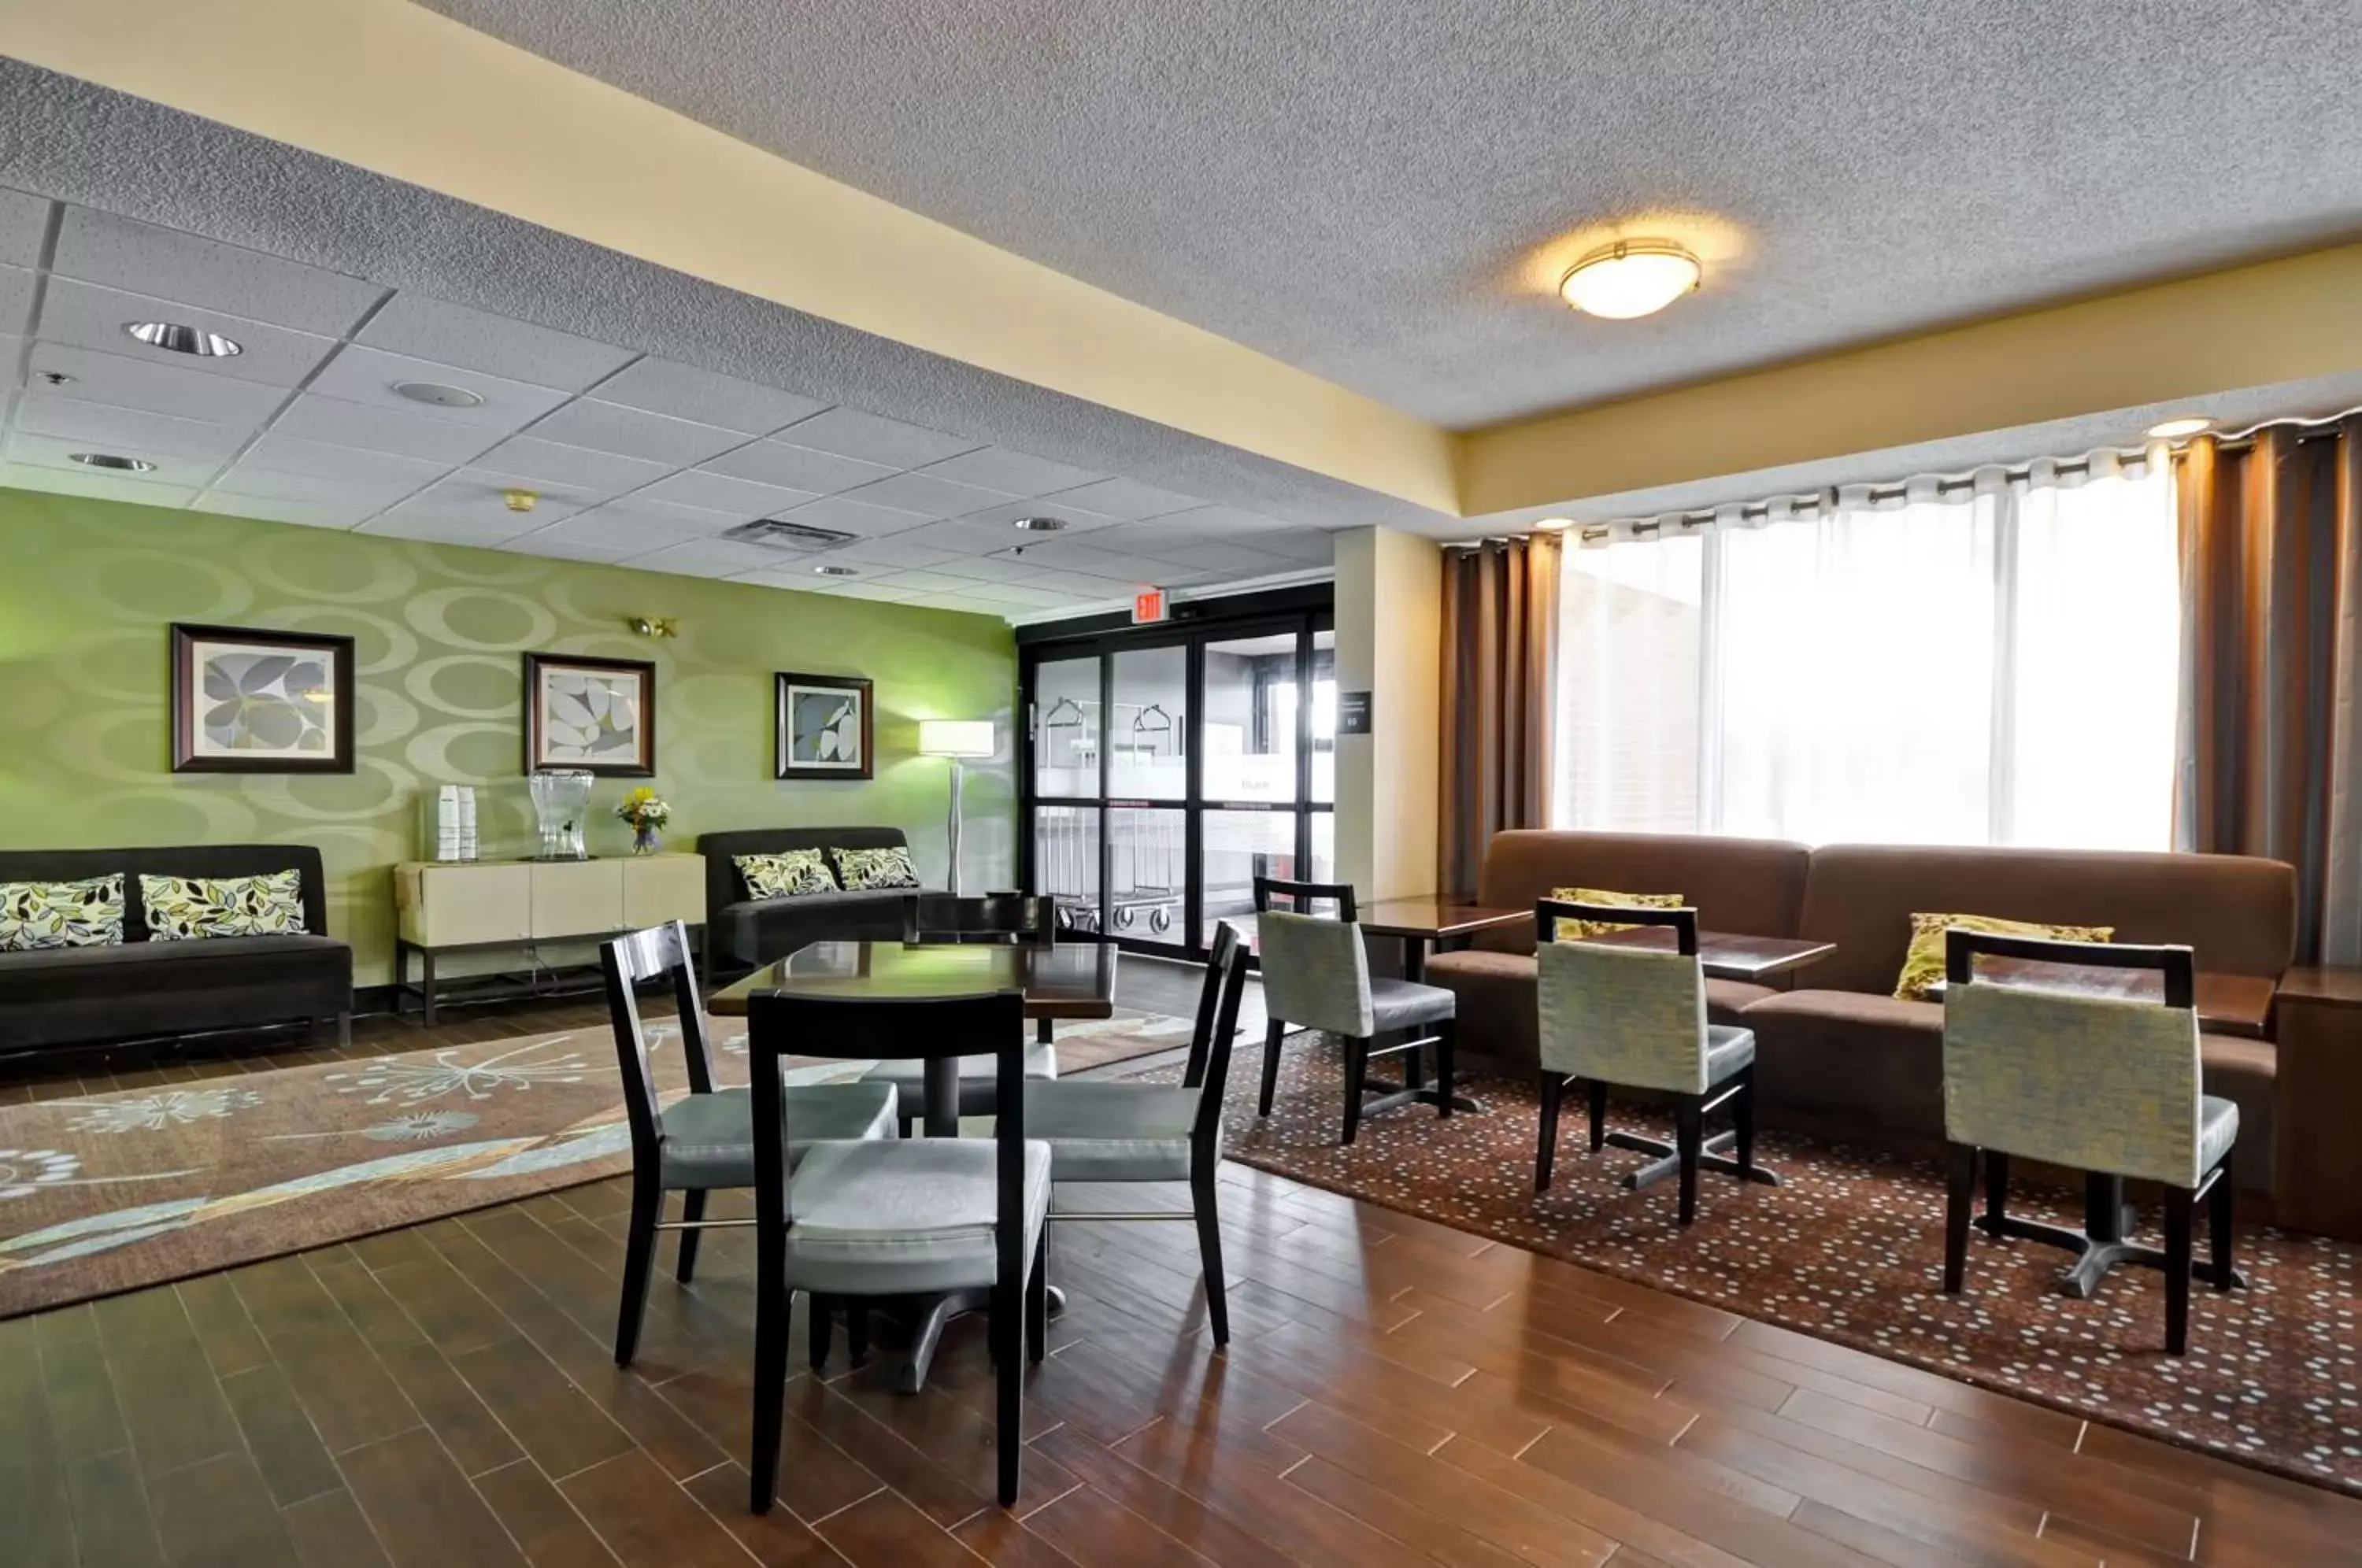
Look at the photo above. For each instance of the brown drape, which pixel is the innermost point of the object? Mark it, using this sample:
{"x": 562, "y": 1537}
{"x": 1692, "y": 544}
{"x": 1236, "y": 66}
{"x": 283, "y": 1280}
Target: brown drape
{"x": 2271, "y": 546}
{"x": 1500, "y": 671}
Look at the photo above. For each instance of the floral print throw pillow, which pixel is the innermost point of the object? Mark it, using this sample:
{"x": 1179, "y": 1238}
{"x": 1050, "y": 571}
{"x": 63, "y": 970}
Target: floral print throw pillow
{"x": 792, "y": 873}
{"x": 862, "y": 869}
{"x": 61, "y": 915}
{"x": 188, "y": 909}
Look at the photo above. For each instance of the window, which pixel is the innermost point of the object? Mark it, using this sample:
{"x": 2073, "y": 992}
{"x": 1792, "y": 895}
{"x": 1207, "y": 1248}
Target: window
{"x": 1998, "y": 665}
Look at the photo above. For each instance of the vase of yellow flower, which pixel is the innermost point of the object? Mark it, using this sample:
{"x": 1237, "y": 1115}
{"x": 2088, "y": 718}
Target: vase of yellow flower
{"x": 647, "y": 811}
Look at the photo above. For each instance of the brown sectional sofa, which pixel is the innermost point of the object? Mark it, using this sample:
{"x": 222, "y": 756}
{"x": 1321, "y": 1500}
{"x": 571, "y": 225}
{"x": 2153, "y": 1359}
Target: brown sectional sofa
{"x": 1838, "y": 1055}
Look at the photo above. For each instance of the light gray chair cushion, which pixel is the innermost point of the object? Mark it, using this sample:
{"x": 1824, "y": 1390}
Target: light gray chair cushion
{"x": 1399, "y": 1004}
{"x": 710, "y": 1142}
{"x": 1727, "y": 1049}
{"x": 978, "y": 1079}
{"x": 904, "y": 1217}
{"x": 1113, "y": 1131}
{"x": 2218, "y": 1129}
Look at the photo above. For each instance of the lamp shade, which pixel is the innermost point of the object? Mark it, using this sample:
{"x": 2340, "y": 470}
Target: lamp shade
{"x": 955, "y": 738}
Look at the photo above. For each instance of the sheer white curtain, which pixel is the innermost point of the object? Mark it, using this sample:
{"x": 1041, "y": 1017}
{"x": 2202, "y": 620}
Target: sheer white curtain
{"x": 1976, "y": 664}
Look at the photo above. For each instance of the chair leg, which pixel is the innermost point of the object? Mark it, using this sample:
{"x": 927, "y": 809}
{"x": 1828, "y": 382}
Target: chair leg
{"x": 1357, "y": 1074}
{"x": 1274, "y": 1031}
{"x": 639, "y": 1257}
{"x": 773, "y": 1305}
{"x": 2178, "y": 1201}
{"x": 2219, "y": 1206}
{"x": 1444, "y": 1031}
{"x": 1599, "y": 1116}
{"x": 1996, "y": 1189}
{"x": 1687, "y": 1139}
{"x": 692, "y": 1209}
{"x": 1959, "y": 1190}
{"x": 1743, "y": 1120}
{"x": 822, "y": 1312}
{"x": 1546, "y": 1145}
{"x": 1202, "y": 1187}
{"x": 1008, "y": 1369}
{"x": 1037, "y": 1301}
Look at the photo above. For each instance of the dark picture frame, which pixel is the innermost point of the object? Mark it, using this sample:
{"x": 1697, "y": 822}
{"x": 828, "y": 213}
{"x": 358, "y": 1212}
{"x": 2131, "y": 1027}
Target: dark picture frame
{"x": 567, "y": 722}
{"x": 237, "y": 684}
{"x": 806, "y": 701}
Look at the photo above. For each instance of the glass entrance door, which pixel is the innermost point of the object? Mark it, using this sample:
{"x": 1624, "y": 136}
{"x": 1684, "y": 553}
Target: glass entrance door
{"x": 1167, "y": 772}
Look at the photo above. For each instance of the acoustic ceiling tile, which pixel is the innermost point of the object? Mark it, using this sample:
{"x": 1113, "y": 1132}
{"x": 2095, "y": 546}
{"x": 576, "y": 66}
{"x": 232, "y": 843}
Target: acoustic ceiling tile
{"x": 660, "y": 386}
{"x": 17, "y": 291}
{"x": 304, "y": 513}
{"x": 849, "y": 433}
{"x": 796, "y": 468}
{"x": 1005, "y": 515}
{"x": 370, "y": 376}
{"x": 929, "y": 498}
{"x": 372, "y": 495}
{"x": 57, "y": 452}
{"x": 1124, "y": 497}
{"x": 164, "y": 263}
{"x": 707, "y": 558}
{"x": 24, "y": 224}
{"x": 555, "y": 463}
{"x": 424, "y": 328}
{"x": 636, "y": 432}
{"x": 848, "y": 515}
{"x": 156, "y": 388}
{"x": 130, "y": 431}
{"x": 104, "y": 487}
{"x": 295, "y": 454}
{"x": 1011, "y": 473}
{"x": 406, "y": 431}
{"x": 893, "y": 550}
{"x": 742, "y": 499}
{"x": 92, "y": 317}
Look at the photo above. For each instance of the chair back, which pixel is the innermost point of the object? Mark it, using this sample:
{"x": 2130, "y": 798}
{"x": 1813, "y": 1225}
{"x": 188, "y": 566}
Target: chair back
{"x": 2093, "y": 1083}
{"x": 1302, "y": 896}
{"x": 1014, "y": 918}
{"x": 1630, "y": 1016}
{"x": 659, "y": 952}
{"x": 1208, "y": 1071}
{"x": 1316, "y": 974}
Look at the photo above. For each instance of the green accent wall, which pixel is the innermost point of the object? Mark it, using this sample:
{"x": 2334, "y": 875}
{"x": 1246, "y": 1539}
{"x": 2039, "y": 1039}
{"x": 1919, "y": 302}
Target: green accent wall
{"x": 89, "y": 587}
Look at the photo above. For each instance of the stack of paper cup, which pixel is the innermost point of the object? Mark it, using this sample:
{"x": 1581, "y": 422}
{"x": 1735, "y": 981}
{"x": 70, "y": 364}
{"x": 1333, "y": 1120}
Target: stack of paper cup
{"x": 452, "y": 830}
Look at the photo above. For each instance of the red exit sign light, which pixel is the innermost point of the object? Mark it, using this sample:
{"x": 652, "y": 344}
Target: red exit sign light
{"x": 1149, "y": 604}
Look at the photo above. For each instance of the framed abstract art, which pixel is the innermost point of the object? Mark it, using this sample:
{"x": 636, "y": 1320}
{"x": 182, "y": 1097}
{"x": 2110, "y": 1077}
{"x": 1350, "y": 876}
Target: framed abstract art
{"x": 252, "y": 702}
{"x": 823, "y": 725}
{"x": 595, "y": 714}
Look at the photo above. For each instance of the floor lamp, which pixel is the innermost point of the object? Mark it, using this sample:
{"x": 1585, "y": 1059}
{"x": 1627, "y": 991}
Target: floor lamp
{"x": 958, "y": 739}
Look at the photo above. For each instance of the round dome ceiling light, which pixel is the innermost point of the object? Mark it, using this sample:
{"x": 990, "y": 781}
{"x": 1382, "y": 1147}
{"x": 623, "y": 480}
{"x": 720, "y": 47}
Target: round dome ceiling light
{"x": 834, "y": 571}
{"x": 436, "y": 395}
{"x": 2182, "y": 426}
{"x": 109, "y": 461}
{"x": 175, "y": 339}
{"x": 1630, "y": 278}
{"x": 1553, "y": 525}
{"x": 1041, "y": 524}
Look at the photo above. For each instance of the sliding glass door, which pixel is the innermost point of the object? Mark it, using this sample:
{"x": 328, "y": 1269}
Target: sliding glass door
{"x": 1169, "y": 769}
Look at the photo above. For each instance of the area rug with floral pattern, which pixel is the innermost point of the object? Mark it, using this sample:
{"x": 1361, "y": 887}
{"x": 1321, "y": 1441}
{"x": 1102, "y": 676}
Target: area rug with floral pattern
{"x": 1850, "y": 1249}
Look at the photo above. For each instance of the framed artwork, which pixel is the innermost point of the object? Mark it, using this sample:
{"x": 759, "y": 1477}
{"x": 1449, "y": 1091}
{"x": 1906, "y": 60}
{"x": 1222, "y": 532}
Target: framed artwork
{"x": 249, "y": 701}
{"x": 823, "y": 725}
{"x": 596, "y": 714}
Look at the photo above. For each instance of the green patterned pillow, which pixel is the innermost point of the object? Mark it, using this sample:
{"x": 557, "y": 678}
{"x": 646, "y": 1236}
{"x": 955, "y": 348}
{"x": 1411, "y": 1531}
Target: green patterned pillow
{"x": 794, "y": 874}
{"x": 186, "y": 909}
{"x": 61, "y": 915}
{"x": 862, "y": 869}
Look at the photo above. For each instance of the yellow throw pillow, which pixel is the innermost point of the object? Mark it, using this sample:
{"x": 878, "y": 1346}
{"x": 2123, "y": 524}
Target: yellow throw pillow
{"x": 1576, "y": 930}
{"x": 1922, "y": 965}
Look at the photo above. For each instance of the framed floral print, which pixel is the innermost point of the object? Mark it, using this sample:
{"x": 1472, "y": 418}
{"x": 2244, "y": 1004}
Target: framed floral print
{"x": 595, "y": 714}
{"x": 823, "y": 727}
{"x": 252, "y": 701}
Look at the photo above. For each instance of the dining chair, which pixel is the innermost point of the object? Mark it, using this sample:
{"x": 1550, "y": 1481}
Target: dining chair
{"x": 1120, "y": 1131}
{"x": 1635, "y": 1018}
{"x": 2107, "y": 1085}
{"x": 1014, "y": 920}
{"x": 704, "y": 1140}
{"x": 1316, "y": 974}
{"x": 916, "y": 1217}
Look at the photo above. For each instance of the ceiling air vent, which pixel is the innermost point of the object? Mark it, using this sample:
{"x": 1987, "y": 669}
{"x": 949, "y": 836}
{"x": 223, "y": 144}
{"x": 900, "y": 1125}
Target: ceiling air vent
{"x": 777, "y": 534}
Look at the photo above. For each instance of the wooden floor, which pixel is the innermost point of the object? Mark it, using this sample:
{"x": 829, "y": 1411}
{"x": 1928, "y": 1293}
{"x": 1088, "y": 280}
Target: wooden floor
{"x": 1397, "y": 1393}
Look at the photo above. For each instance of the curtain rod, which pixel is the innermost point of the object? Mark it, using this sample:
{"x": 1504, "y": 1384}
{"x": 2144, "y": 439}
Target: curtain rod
{"x": 2326, "y": 427}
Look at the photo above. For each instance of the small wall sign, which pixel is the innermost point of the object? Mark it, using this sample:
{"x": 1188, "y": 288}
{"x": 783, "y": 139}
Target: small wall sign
{"x": 1149, "y": 604}
{"x": 1352, "y": 712}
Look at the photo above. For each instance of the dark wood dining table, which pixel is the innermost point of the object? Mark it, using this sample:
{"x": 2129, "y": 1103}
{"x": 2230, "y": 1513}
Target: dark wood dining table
{"x": 1422, "y": 922}
{"x": 1731, "y": 956}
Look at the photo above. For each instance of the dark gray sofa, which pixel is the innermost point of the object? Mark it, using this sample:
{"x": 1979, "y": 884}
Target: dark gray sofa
{"x": 741, "y": 933}
{"x": 83, "y": 995}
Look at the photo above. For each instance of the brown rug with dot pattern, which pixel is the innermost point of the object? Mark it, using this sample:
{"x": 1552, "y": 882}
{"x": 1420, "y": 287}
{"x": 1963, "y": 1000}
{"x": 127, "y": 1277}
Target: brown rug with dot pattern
{"x": 1850, "y": 1249}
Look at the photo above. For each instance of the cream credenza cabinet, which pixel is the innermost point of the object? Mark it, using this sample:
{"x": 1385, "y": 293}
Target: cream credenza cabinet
{"x": 444, "y": 907}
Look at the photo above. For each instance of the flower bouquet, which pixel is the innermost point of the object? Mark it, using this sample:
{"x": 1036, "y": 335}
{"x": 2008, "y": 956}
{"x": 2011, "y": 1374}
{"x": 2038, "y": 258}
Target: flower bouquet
{"x": 647, "y": 811}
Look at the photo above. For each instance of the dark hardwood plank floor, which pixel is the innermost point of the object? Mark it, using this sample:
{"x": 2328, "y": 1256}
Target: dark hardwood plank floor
{"x": 1396, "y": 1391}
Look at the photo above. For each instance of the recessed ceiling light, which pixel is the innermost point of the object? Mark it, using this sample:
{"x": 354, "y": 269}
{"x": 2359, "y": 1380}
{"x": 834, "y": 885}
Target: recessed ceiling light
{"x": 437, "y": 394}
{"x": 2176, "y": 428}
{"x": 109, "y": 461}
{"x": 1041, "y": 524}
{"x": 1630, "y": 278}
{"x": 174, "y": 338}
{"x": 1553, "y": 525}
{"x": 836, "y": 572}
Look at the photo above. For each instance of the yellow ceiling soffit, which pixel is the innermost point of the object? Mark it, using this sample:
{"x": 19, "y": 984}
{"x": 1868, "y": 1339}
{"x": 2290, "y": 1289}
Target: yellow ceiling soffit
{"x": 2271, "y": 321}
{"x": 393, "y": 88}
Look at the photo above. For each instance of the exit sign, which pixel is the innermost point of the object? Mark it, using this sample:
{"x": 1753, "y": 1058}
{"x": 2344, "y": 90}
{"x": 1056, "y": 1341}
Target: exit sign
{"x": 1149, "y": 604}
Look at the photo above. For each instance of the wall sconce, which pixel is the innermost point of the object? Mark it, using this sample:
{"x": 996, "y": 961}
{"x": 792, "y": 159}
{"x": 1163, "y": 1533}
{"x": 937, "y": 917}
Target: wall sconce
{"x": 653, "y": 625}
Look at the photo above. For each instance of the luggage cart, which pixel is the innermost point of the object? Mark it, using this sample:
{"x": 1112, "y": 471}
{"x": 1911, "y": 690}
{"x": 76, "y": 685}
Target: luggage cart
{"x": 1067, "y": 844}
{"x": 1145, "y": 872}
